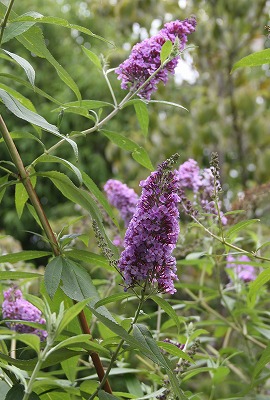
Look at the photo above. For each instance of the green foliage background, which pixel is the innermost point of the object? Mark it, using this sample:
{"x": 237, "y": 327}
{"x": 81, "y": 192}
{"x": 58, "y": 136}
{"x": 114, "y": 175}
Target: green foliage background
{"x": 227, "y": 112}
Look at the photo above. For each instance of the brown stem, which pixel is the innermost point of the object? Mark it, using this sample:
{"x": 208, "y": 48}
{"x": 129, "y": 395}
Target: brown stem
{"x": 25, "y": 179}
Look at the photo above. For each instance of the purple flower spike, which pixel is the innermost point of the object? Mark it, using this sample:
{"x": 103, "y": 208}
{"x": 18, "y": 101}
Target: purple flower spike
{"x": 153, "y": 232}
{"x": 144, "y": 59}
{"x": 243, "y": 272}
{"x": 16, "y": 307}
{"x": 122, "y": 197}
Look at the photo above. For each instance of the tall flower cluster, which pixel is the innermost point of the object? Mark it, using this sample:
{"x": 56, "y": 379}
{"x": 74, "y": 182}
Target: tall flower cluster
{"x": 15, "y": 307}
{"x": 242, "y": 271}
{"x": 144, "y": 59}
{"x": 153, "y": 232}
{"x": 122, "y": 197}
{"x": 202, "y": 183}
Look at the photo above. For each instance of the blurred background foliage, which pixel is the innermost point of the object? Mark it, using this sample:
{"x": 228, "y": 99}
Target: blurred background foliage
{"x": 228, "y": 112}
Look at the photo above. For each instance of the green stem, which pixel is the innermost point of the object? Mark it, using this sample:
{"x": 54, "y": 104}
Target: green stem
{"x": 35, "y": 372}
{"x": 115, "y": 354}
{"x": 24, "y": 177}
{"x": 4, "y": 23}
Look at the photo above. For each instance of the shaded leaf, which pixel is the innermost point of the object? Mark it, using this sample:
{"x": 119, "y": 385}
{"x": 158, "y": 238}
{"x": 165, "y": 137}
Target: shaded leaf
{"x": 239, "y": 226}
{"x": 52, "y": 275}
{"x": 102, "y": 395}
{"x": 88, "y": 257}
{"x": 29, "y": 70}
{"x": 255, "y": 286}
{"x": 23, "y": 256}
{"x": 165, "y": 306}
{"x": 264, "y": 359}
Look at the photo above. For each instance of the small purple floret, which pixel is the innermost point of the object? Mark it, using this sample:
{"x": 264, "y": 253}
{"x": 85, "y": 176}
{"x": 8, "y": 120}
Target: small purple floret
{"x": 17, "y": 308}
{"x": 144, "y": 59}
{"x": 153, "y": 232}
{"x": 243, "y": 272}
{"x": 122, "y": 197}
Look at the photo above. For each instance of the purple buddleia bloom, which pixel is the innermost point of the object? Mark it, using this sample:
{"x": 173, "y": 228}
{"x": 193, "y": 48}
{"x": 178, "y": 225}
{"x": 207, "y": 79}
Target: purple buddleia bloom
{"x": 15, "y": 307}
{"x": 153, "y": 232}
{"x": 189, "y": 175}
{"x": 144, "y": 59}
{"x": 122, "y": 197}
{"x": 243, "y": 272}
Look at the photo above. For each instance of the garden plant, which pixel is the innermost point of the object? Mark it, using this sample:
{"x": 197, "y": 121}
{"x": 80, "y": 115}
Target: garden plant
{"x": 150, "y": 289}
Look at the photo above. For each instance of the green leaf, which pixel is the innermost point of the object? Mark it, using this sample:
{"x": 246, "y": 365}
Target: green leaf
{"x": 69, "y": 367}
{"x": 34, "y": 41}
{"x": 30, "y": 339}
{"x": 142, "y": 334}
{"x": 24, "y": 113}
{"x": 35, "y": 89}
{"x": 17, "y": 393}
{"x": 23, "y": 256}
{"x": 78, "y": 340}
{"x": 15, "y": 29}
{"x": 166, "y": 50}
{"x": 21, "y": 197}
{"x": 81, "y": 197}
{"x": 52, "y": 275}
{"x": 175, "y": 351}
{"x": 165, "y": 306}
{"x": 29, "y": 70}
{"x": 264, "y": 359}
{"x": 86, "y": 104}
{"x": 253, "y": 60}
{"x": 142, "y": 116}
{"x": 93, "y": 188}
{"x": 168, "y": 103}
{"x": 90, "y": 258}
{"x": 93, "y": 57}
{"x": 112, "y": 299}
{"x": 37, "y": 17}
{"x": 71, "y": 313}
{"x": 3, "y": 180}
{"x": 255, "y": 286}
{"x": 102, "y": 395}
{"x": 219, "y": 374}
{"x": 138, "y": 153}
{"x": 9, "y": 275}
{"x": 240, "y": 226}
{"x": 47, "y": 158}
{"x": 77, "y": 285}
{"x": 29, "y": 365}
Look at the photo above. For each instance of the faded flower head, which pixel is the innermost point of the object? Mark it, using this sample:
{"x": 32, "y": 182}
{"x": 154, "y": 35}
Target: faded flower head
{"x": 17, "y": 308}
{"x": 144, "y": 59}
{"x": 189, "y": 175}
{"x": 202, "y": 183}
{"x": 122, "y": 197}
{"x": 243, "y": 272}
{"x": 153, "y": 232}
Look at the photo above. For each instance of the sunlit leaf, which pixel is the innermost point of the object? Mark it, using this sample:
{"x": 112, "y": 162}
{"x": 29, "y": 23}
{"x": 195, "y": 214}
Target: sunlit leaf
{"x": 253, "y": 60}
